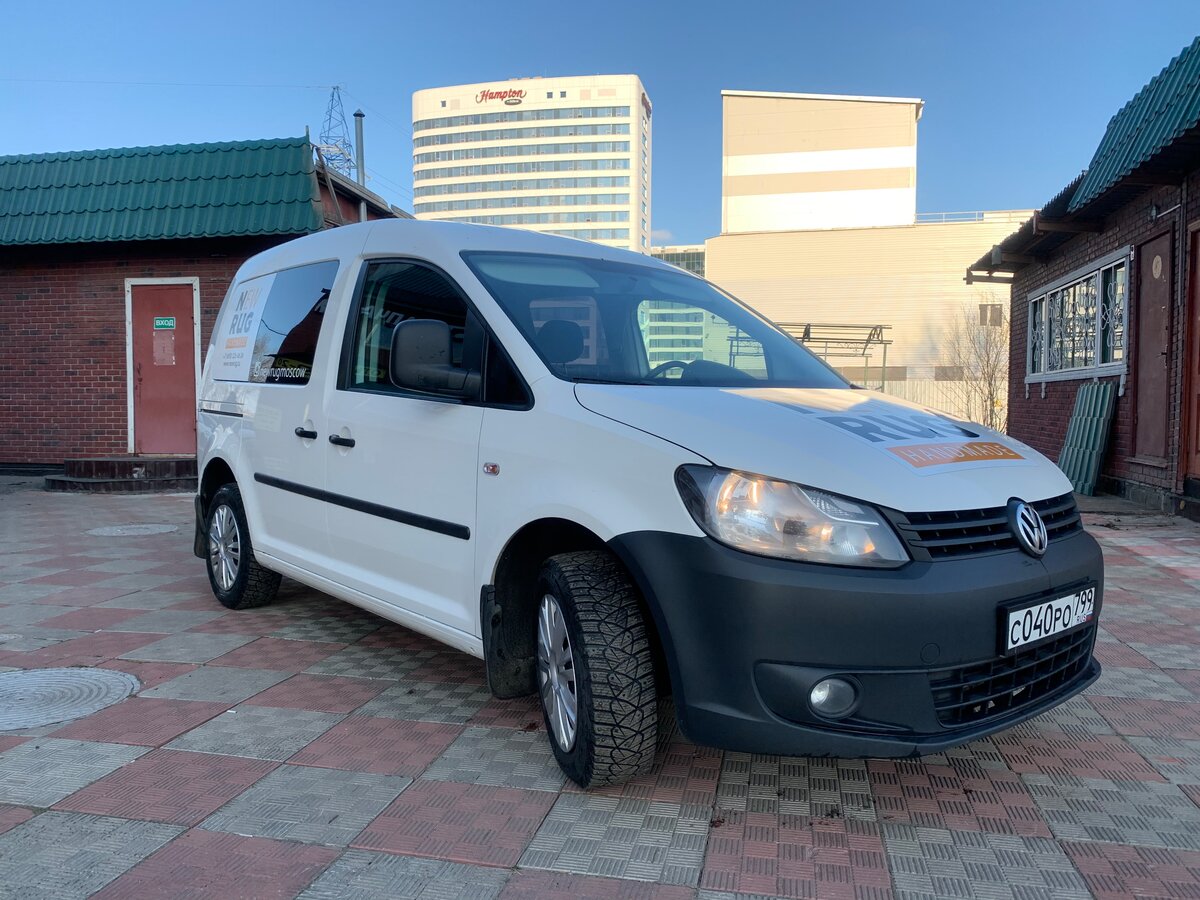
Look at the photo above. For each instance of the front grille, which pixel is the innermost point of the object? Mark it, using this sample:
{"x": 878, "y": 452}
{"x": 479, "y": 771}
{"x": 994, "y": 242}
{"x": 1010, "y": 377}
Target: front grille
{"x": 970, "y": 532}
{"x": 976, "y": 693}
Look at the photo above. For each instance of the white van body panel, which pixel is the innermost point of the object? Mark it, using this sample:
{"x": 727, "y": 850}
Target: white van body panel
{"x": 841, "y": 441}
{"x": 560, "y": 461}
{"x": 419, "y": 456}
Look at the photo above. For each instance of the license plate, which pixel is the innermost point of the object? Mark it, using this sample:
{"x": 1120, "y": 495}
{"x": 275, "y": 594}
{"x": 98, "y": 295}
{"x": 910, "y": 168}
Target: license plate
{"x": 1031, "y": 624}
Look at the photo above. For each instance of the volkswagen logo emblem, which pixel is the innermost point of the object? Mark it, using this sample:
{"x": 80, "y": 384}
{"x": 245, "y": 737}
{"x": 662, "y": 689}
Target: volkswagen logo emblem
{"x": 1028, "y": 528}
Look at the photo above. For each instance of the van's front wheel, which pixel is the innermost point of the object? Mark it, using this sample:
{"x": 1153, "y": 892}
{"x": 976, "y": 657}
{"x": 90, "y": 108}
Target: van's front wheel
{"x": 595, "y": 671}
{"x": 237, "y": 579}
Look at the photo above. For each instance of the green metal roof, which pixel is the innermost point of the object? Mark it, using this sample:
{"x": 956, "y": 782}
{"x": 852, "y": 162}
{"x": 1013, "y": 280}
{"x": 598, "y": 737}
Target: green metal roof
{"x": 1166, "y": 108}
{"x": 160, "y": 193}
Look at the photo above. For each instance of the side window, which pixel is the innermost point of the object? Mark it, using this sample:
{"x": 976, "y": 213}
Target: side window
{"x": 673, "y": 331}
{"x": 391, "y": 293}
{"x": 269, "y": 335}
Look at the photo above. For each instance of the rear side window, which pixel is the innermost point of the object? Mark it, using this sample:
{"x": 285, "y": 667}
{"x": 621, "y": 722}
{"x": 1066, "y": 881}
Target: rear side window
{"x": 269, "y": 334}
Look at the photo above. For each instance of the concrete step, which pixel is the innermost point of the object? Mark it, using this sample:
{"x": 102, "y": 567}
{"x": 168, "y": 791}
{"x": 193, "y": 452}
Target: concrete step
{"x": 1191, "y": 488}
{"x": 131, "y": 467}
{"x": 118, "y": 485}
{"x": 1188, "y": 507}
{"x": 125, "y": 474}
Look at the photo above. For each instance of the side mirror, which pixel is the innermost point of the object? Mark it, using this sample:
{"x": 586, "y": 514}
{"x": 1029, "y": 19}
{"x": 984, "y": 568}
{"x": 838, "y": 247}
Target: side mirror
{"x": 420, "y": 360}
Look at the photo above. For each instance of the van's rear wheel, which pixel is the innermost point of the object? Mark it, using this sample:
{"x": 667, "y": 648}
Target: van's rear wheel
{"x": 237, "y": 579}
{"x": 595, "y": 671}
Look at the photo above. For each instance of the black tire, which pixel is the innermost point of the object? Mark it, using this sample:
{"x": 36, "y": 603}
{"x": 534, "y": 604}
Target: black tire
{"x": 617, "y": 703}
{"x": 251, "y": 585}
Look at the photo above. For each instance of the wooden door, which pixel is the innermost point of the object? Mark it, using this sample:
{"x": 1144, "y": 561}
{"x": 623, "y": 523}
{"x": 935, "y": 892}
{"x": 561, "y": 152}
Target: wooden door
{"x": 164, "y": 368}
{"x": 1191, "y": 377}
{"x": 1153, "y": 357}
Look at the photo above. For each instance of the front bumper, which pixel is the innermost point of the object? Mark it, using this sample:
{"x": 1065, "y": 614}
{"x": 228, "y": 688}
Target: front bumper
{"x": 746, "y": 637}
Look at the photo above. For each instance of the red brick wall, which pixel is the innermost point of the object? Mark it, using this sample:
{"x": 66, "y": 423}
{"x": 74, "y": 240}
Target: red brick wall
{"x": 1042, "y": 421}
{"x": 62, "y": 338}
{"x": 347, "y": 205}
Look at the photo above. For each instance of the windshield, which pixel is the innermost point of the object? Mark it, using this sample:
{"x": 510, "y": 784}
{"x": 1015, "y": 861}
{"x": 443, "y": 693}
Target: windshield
{"x": 596, "y": 320}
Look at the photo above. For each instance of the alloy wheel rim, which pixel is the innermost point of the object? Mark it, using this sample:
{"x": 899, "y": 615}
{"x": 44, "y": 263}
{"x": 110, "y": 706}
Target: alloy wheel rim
{"x": 556, "y": 673}
{"x": 224, "y": 547}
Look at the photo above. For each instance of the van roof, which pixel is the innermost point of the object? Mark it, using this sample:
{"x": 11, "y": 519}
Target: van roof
{"x": 434, "y": 239}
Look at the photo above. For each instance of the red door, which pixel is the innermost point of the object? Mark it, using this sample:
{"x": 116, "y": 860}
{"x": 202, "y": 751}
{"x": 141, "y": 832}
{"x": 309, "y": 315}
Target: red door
{"x": 1153, "y": 347}
{"x": 164, "y": 369}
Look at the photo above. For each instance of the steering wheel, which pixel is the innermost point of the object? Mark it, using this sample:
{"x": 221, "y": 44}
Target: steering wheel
{"x": 667, "y": 366}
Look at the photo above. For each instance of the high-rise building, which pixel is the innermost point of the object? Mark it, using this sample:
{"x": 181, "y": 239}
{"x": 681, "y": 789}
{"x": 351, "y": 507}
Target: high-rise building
{"x": 567, "y": 156}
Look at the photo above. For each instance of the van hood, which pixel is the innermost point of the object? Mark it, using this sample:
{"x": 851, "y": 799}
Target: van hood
{"x": 861, "y": 444}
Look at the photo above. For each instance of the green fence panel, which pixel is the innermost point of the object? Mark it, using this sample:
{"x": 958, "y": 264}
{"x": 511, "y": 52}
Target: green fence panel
{"x": 1087, "y": 435}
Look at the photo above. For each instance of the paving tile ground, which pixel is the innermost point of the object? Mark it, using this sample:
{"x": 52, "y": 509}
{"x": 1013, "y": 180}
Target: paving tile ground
{"x": 65, "y": 854}
{"x": 172, "y": 786}
{"x": 312, "y": 749}
{"x": 211, "y": 864}
{"x": 313, "y": 806}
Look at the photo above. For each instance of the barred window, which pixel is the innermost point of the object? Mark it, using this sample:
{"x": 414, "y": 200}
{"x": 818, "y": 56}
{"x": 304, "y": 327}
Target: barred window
{"x": 1079, "y": 325}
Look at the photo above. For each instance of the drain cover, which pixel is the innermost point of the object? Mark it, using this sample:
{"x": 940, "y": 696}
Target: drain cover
{"x": 132, "y": 530}
{"x": 38, "y": 697}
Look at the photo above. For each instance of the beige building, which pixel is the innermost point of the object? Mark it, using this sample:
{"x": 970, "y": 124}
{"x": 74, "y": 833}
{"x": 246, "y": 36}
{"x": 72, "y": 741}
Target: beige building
{"x": 792, "y": 161}
{"x": 821, "y": 234}
{"x": 567, "y": 156}
{"x": 841, "y": 282}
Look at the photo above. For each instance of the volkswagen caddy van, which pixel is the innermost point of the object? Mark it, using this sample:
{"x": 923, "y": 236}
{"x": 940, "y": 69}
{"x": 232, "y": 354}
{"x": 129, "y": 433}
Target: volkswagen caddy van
{"x": 611, "y": 481}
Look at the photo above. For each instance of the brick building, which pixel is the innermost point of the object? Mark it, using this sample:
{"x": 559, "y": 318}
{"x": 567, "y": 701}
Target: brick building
{"x": 1105, "y": 288}
{"x": 113, "y": 264}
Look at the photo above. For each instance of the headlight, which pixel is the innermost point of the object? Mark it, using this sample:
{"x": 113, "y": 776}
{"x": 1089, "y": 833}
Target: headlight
{"x": 790, "y": 521}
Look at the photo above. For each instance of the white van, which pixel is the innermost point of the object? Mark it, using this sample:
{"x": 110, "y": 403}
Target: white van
{"x": 612, "y": 481}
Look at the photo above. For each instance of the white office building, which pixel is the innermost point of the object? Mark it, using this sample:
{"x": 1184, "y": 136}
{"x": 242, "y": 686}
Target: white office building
{"x": 567, "y": 156}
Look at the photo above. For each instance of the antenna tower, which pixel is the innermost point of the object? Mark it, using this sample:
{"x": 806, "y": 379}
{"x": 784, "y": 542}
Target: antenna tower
{"x": 334, "y": 143}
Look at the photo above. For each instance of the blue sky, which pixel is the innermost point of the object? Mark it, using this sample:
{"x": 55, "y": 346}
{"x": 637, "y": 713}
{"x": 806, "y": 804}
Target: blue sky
{"x": 1017, "y": 93}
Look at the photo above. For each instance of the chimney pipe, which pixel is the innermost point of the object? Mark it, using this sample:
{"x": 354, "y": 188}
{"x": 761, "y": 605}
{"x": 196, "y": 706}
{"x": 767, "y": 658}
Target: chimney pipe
{"x": 358, "y": 161}
{"x": 358, "y": 147}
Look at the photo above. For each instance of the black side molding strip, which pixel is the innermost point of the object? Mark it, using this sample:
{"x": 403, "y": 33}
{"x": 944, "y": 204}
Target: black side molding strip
{"x": 219, "y": 412}
{"x": 450, "y": 529}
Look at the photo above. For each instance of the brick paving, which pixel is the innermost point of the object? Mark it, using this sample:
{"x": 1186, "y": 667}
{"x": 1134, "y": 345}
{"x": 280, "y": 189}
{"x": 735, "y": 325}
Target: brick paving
{"x": 313, "y": 750}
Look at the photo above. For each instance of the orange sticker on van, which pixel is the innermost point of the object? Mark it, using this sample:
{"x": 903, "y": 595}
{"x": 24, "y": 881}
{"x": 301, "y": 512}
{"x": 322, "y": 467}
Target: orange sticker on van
{"x": 921, "y": 455}
{"x": 234, "y": 343}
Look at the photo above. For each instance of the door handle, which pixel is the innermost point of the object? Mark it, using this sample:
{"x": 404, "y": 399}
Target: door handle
{"x": 305, "y": 433}
{"x": 341, "y": 441}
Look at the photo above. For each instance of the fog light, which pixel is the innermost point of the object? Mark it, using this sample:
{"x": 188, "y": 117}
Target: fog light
{"x": 833, "y": 697}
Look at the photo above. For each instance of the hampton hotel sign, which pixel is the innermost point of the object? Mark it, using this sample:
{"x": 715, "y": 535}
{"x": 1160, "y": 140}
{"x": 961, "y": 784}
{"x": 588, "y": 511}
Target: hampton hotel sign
{"x": 510, "y": 96}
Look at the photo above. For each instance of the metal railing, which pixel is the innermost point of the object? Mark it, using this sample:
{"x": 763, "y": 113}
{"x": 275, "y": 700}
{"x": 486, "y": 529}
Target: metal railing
{"x": 943, "y": 218}
{"x": 842, "y": 341}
